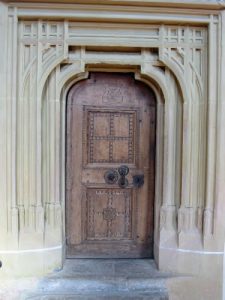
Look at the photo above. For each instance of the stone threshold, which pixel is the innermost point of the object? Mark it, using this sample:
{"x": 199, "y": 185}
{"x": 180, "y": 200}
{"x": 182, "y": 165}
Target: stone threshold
{"x": 103, "y": 279}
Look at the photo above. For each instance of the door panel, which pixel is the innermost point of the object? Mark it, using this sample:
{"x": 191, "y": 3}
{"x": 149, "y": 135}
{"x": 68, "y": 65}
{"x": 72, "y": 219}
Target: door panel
{"x": 110, "y": 122}
{"x": 109, "y": 214}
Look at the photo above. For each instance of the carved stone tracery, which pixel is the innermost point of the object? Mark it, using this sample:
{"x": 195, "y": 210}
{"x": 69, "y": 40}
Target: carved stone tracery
{"x": 177, "y": 54}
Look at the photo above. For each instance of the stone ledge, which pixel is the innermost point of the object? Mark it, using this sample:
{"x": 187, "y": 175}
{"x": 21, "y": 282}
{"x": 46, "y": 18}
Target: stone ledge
{"x": 207, "y": 4}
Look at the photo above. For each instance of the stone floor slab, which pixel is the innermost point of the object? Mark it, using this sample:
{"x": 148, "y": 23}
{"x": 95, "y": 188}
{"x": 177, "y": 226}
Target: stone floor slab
{"x": 96, "y": 279}
{"x": 104, "y": 279}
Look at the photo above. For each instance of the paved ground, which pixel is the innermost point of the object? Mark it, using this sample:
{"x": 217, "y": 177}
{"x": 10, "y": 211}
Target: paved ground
{"x": 95, "y": 279}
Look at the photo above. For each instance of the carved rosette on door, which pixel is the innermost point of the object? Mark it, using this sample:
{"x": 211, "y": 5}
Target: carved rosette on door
{"x": 109, "y": 161}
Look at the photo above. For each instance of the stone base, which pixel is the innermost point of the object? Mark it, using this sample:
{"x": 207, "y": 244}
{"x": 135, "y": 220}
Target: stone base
{"x": 189, "y": 262}
{"x": 202, "y": 273}
{"x": 99, "y": 279}
{"x": 111, "y": 279}
{"x": 37, "y": 262}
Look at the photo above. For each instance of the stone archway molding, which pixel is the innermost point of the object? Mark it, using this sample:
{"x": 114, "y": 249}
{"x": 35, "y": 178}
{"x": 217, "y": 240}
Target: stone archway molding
{"x": 68, "y": 75}
{"x": 174, "y": 63}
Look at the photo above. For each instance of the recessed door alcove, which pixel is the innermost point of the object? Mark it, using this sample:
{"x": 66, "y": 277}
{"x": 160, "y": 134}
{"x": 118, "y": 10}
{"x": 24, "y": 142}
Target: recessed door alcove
{"x": 168, "y": 157}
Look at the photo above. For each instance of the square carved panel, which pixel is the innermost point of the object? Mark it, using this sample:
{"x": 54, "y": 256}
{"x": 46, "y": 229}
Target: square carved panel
{"x": 111, "y": 136}
{"x": 109, "y": 214}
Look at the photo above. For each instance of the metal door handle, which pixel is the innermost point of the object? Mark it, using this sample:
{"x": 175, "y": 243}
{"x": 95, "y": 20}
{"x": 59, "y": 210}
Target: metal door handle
{"x": 123, "y": 171}
{"x": 112, "y": 176}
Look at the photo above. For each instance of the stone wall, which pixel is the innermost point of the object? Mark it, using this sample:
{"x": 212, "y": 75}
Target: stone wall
{"x": 178, "y": 51}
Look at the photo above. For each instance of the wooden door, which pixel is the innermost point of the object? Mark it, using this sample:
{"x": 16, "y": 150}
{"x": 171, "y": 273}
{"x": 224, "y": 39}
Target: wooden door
{"x": 110, "y": 123}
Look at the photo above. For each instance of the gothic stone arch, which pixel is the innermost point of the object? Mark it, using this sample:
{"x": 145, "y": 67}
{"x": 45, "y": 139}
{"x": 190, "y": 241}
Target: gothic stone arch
{"x": 175, "y": 61}
{"x": 169, "y": 123}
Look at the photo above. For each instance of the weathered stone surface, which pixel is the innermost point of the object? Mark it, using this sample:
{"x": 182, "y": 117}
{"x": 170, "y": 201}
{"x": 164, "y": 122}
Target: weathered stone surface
{"x": 95, "y": 279}
{"x": 178, "y": 48}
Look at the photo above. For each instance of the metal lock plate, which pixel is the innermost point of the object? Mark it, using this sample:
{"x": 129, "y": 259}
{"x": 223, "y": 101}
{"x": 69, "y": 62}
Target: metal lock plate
{"x": 111, "y": 176}
{"x": 138, "y": 180}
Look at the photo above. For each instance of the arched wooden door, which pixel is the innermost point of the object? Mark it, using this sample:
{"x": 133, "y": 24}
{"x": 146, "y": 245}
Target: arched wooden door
{"x": 110, "y": 161}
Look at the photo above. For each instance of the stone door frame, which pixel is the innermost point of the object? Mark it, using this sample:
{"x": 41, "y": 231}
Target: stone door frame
{"x": 165, "y": 160}
{"x": 159, "y": 130}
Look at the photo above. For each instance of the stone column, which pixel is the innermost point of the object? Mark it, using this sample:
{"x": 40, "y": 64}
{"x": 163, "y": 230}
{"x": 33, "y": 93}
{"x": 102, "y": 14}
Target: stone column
{"x": 4, "y": 156}
{"x": 218, "y": 238}
{"x": 172, "y": 161}
{"x": 212, "y": 130}
{"x": 11, "y": 128}
{"x": 51, "y": 159}
{"x": 194, "y": 140}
